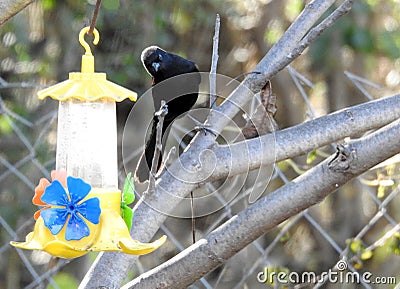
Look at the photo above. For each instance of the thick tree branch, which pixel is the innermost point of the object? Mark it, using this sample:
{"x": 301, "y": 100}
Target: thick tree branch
{"x": 287, "y": 143}
{"x": 110, "y": 269}
{"x": 8, "y": 8}
{"x": 303, "y": 138}
{"x": 243, "y": 156}
{"x": 250, "y": 154}
{"x": 305, "y": 191}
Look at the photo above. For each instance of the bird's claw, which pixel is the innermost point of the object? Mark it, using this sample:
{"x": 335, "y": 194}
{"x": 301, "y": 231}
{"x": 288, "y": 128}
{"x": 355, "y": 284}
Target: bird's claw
{"x": 163, "y": 111}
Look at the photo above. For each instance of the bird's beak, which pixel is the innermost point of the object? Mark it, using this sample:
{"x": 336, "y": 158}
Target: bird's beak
{"x": 156, "y": 66}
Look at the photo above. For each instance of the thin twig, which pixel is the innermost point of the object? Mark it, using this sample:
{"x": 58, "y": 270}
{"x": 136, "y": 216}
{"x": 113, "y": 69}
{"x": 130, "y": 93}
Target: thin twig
{"x": 94, "y": 17}
{"x": 310, "y": 37}
{"x": 168, "y": 160}
{"x": 357, "y": 80}
{"x": 160, "y": 114}
{"x": 389, "y": 234}
{"x": 295, "y": 77}
{"x": 11, "y": 7}
{"x": 193, "y": 218}
{"x": 295, "y": 40}
{"x": 213, "y": 98}
{"x": 214, "y": 63}
{"x": 362, "y": 80}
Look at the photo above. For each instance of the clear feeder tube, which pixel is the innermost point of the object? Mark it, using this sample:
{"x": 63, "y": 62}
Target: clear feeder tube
{"x": 87, "y": 141}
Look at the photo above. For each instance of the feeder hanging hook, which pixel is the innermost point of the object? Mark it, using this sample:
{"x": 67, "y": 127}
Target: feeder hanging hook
{"x": 83, "y": 42}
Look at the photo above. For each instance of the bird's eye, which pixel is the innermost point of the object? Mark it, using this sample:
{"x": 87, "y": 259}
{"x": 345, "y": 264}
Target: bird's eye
{"x": 159, "y": 58}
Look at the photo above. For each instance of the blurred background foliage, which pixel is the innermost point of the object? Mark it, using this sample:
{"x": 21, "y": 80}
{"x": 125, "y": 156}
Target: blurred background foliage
{"x": 39, "y": 47}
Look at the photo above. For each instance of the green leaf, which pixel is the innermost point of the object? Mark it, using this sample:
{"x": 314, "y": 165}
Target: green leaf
{"x": 64, "y": 281}
{"x": 358, "y": 248}
{"x": 111, "y": 4}
{"x": 127, "y": 214}
{"x": 48, "y": 4}
{"x": 359, "y": 39}
{"x": 285, "y": 237}
{"x": 395, "y": 244}
{"x": 365, "y": 255}
{"x": 128, "y": 194}
{"x": 355, "y": 245}
{"x": 381, "y": 192}
{"x": 311, "y": 157}
{"x": 5, "y": 125}
{"x": 293, "y": 9}
{"x": 388, "y": 43}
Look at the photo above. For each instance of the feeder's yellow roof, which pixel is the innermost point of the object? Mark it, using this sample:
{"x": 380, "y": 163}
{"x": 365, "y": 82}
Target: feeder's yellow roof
{"x": 87, "y": 85}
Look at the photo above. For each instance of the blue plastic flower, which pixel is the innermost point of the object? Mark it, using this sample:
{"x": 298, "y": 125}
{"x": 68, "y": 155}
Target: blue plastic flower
{"x": 69, "y": 203}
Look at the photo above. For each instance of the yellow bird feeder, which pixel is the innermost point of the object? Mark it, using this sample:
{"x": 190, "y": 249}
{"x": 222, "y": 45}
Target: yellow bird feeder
{"x": 81, "y": 208}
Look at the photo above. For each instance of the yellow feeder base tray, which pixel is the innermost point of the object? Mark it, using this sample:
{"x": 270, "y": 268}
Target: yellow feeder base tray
{"x": 110, "y": 234}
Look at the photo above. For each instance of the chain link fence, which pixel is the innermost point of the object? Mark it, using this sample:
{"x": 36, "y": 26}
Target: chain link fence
{"x": 353, "y": 230}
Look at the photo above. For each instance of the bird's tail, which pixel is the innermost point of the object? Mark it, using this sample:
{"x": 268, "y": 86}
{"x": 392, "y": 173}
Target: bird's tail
{"x": 144, "y": 165}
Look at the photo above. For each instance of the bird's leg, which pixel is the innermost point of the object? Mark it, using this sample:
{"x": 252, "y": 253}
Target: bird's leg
{"x": 163, "y": 110}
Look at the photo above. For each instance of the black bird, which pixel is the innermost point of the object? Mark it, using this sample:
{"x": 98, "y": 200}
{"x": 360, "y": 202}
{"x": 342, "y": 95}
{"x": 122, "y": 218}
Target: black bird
{"x": 180, "y": 94}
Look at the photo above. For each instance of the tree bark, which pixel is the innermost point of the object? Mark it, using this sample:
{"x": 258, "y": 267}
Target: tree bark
{"x": 110, "y": 269}
{"x": 305, "y": 191}
{"x": 8, "y": 8}
{"x": 288, "y": 143}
